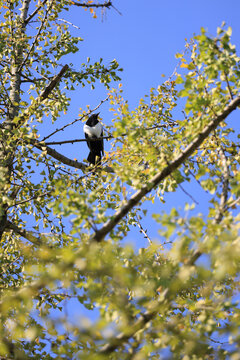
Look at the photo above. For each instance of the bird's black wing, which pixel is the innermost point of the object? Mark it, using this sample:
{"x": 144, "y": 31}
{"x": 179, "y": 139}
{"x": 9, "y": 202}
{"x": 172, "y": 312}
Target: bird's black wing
{"x": 88, "y": 142}
{"x": 102, "y": 149}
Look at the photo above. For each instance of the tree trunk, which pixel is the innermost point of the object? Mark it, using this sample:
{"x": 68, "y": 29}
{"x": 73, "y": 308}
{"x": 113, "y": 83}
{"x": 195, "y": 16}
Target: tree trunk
{"x": 7, "y": 148}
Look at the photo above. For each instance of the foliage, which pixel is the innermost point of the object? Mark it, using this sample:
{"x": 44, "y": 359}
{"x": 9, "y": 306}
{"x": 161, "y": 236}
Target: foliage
{"x": 152, "y": 302}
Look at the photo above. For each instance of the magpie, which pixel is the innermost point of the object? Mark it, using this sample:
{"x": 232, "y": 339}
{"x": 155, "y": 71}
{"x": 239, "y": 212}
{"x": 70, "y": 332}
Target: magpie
{"x": 93, "y": 129}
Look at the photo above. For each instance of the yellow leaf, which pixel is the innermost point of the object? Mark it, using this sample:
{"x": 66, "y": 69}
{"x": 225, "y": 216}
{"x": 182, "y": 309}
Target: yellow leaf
{"x": 184, "y": 65}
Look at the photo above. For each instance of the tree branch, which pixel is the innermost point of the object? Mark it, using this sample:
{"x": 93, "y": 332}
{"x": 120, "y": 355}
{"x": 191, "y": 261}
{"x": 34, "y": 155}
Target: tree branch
{"x": 100, "y": 138}
{"x": 63, "y": 159}
{"x": 136, "y": 198}
{"x": 77, "y": 140}
{"x": 53, "y": 83}
{"x": 31, "y": 198}
{"x": 56, "y": 155}
{"x": 106, "y": 4}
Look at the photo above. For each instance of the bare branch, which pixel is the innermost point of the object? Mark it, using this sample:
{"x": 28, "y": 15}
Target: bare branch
{"x": 56, "y": 155}
{"x": 106, "y": 4}
{"x": 53, "y": 83}
{"x": 144, "y": 232}
{"x": 100, "y": 138}
{"x": 190, "y": 149}
{"x": 77, "y": 140}
{"x": 69, "y": 23}
{"x": 44, "y": 94}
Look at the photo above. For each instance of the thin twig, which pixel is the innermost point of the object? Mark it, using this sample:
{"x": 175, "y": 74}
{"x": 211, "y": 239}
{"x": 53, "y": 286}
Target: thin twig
{"x": 97, "y": 139}
{"x": 78, "y": 119}
{"x": 116, "y": 10}
{"x": 228, "y": 86}
{"x": 69, "y": 23}
{"x": 232, "y": 204}
{"x": 31, "y": 198}
{"x": 144, "y": 232}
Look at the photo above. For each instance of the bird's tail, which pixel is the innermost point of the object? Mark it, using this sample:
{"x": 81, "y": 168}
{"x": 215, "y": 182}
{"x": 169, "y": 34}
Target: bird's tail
{"x": 94, "y": 158}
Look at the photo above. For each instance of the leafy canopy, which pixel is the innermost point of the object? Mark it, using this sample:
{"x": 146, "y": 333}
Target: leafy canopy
{"x": 64, "y": 233}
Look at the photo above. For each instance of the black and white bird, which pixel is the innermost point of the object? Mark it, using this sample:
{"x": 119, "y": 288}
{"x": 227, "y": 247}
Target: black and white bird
{"x": 93, "y": 129}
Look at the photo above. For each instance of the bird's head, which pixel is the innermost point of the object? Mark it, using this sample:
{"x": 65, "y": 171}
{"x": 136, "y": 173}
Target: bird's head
{"x": 92, "y": 120}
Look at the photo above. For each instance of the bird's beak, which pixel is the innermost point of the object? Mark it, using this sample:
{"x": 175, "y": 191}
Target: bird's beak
{"x": 97, "y": 113}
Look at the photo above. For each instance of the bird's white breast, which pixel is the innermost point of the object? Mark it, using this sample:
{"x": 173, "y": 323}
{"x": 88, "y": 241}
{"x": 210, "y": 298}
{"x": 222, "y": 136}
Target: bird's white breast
{"x": 93, "y": 131}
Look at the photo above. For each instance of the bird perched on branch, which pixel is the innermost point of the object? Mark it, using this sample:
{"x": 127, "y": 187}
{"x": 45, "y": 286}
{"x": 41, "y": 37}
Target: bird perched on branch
{"x": 93, "y": 130}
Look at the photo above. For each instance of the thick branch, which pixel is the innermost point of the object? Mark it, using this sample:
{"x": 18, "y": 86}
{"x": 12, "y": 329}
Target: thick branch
{"x": 33, "y": 237}
{"x": 63, "y": 159}
{"x": 175, "y": 164}
{"x": 53, "y": 83}
{"x": 56, "y": 155}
